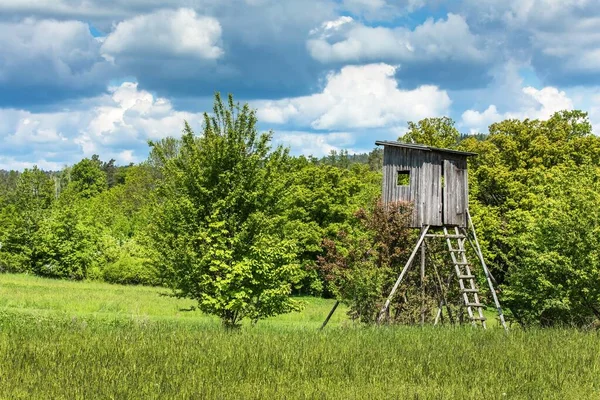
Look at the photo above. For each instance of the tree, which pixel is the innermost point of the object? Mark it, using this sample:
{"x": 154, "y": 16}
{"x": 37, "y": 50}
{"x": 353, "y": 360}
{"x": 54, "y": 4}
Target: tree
{"x": 321, "y": 201}
{"x": 361, "y": 266}
{"x": 435, "y": 132}
{"x": 556, "y": 272}
{"x": 87, "y": 178}
{"x": 26, "y": 208}
{"x": 70, "y": 241}
{"x": 533, "y": 197}
{"x": 217, "y": 229}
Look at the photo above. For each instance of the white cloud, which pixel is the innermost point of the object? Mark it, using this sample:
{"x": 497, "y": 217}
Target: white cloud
{"x": 558, "y": 37}
{"x": 346, "y": 40}
{"x": 316, "y": 144}
{"x": 8, "y": 163}
{"x": 179, "y": 33}
{"x": 59, "y": 55}
{"x": 382, "y": 9}
{"x": 357, "y": 97}
{"x": 116, "y": 125}
{"x": 545, "y": 102}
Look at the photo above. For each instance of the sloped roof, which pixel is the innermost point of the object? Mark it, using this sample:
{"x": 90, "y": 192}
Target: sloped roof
{"x": 422, "y": 147}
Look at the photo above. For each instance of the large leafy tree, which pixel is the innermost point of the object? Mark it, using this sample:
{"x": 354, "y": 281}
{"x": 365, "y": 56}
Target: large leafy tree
{"x": 23, "y": 211}
{"x": 217, "y": 231}
{"x": 87, "y": 177}
{"x": 321, "y": 202}
{"x": 436, "y": 132}
{"x": 361, "y": 264}
{"x": 533, "y": 194}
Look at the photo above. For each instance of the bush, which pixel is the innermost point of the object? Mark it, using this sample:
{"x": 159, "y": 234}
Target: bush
{"x": 132, "y": 266}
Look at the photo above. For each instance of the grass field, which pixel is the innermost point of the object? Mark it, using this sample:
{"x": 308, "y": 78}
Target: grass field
{"x": 74, "y": 340}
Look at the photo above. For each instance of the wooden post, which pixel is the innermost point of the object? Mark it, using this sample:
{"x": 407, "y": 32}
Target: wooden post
{"x": 423, "y": 283}
{"x": 330, "y": 314}
{"x": 408, "y": 263}
{"x": 487, "y": 272}
{"x": 438, "y": 315}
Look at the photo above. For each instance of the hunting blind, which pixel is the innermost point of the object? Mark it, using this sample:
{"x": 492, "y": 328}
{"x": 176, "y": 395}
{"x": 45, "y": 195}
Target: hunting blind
{"x": 435, "y": 182}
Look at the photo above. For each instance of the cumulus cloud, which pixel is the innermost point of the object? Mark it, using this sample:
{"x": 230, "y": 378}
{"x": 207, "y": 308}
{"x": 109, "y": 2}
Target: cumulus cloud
{"x": 381, "y": 9}
{"x": 116, "y": 125}
{"x": 346, "y": 40}
{"x": 357, "y": 97}
{"x": 166, "y": 33}
{"x": 316, "y": 144}
{"x": 260, "y": 51}
{"x": 544, "y": 103}
{"x": 559, "y": 38}
{"x": 47, "y": 60}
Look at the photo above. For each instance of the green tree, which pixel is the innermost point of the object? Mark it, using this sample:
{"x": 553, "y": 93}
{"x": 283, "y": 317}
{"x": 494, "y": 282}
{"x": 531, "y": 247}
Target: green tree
{"x": 87, "y": 178}
{"x": 361, "y": 265}
{"x": 435, "y": 132}
{"x": 556, "y": 269}
{"x": 69, "y": 242}
{"x": 321, "y": 201}
{"x": 25, "y": 209}
{"x": 532, "y": 191}
{"x": 217, "y": 229}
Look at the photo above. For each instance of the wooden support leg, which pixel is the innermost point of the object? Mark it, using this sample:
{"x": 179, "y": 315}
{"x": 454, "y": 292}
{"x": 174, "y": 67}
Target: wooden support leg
{"x": 330, "y": 314}
{"x": 423, "y": 283}
{"x": 404, "y": 270}
{"x": 438, "y": 316}
{"x": 487, "y": 273}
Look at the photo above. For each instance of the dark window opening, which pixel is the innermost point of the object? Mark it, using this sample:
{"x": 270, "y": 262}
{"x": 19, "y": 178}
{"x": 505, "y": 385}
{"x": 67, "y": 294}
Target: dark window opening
{"x": 403, "y": 178}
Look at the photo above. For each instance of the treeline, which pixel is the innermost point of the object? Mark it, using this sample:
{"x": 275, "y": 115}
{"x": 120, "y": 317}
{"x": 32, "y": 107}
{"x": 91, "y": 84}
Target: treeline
{"x": 237, "y": 225}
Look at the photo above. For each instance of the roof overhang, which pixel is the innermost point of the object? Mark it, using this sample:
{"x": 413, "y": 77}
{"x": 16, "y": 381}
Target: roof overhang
{"x": 422, "y": 147}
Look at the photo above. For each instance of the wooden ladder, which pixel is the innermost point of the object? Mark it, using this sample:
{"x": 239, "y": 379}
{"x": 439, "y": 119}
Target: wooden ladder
{"x": 466, "y": 279}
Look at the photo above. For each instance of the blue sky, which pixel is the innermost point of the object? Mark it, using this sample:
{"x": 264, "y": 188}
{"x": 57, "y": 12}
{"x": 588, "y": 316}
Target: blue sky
{"x": 84, "y": 77}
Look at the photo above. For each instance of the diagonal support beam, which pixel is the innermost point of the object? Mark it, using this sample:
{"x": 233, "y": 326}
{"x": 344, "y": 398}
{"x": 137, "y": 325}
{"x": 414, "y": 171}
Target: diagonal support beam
{"x": 488, "y": 275}
{"x": 404, "y": 270}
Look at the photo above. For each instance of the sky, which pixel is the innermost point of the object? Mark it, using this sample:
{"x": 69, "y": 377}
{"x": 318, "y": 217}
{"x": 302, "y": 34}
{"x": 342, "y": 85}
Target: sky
{"x": 85, "y": 77}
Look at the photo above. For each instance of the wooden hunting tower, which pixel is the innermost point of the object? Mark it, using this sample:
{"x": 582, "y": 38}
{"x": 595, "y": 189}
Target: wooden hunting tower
{"x": 434, "y": 180}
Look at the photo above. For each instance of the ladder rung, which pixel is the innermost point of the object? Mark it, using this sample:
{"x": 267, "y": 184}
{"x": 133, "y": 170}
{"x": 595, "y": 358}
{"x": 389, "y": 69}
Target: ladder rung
{"x": 452, "y": 236}
{"x": 457, "y": 250}
{"x": 475, "y": 305}
{"x": 474, "y": 318}
{"x": 466, "y": 277}
{"x": 469, "y": 290}
{"x": 461, "y": 263}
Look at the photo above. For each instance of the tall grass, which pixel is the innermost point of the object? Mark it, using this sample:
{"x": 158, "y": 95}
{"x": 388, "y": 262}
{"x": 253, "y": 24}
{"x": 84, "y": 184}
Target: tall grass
{"x": 59, "y": 354}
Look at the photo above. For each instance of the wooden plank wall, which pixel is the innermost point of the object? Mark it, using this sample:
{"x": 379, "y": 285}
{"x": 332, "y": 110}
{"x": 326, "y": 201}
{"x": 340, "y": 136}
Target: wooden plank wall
{"x": 431, "y": 190}
{"x": 425, "y": 189}
{"x": 456, "y": 191}
{"x": 433, "y": 204}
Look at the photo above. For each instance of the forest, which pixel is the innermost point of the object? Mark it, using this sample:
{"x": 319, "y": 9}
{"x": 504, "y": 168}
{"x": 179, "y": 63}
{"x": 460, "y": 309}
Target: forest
{"x": 243, "y": 228}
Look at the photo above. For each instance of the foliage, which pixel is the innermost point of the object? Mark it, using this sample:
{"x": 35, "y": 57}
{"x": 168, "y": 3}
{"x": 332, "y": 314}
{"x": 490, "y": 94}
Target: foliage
{"x": 558, "y": 251}
{"x": 361, "y": 268}
{"x": 23, "y": 211}
{"x": 132, "y": 265}
{"x": 320, "y": 202}
{"x": 534, "y": 198}
{"x": 87, "y": 178}
{"x": 68, "y": 243}
{"x": 224, "y": 207}
{"x": 437, "y": 132}
{"x": 217, "y": 231}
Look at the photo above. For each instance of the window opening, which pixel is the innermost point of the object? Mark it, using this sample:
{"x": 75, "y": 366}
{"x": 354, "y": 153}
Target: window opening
{"x": 403, "y": 178}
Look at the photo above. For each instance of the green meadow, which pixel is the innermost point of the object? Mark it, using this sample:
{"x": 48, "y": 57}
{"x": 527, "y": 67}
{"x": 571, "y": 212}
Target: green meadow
{"x": 84, "y": 340}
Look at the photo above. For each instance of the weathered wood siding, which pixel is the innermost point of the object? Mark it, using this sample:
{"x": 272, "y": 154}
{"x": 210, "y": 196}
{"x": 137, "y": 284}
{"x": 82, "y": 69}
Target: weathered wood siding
{"x": 424, "y": 189}
{"x": 435, "y": 203}
{"x": 456, "y": 195}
